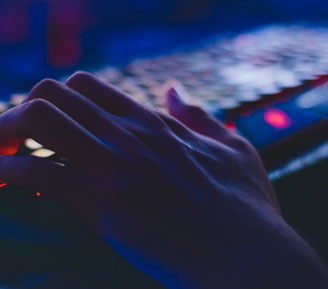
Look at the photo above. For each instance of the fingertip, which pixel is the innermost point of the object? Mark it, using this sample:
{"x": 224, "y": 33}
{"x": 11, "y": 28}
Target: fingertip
{"x": 174, "y": 102}
{"x": 42, "y": 88}
{"x": 173, "y": 96}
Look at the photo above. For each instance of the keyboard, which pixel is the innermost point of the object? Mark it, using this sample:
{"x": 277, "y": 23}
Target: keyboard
{"x": 270, "y": 85}
{"x": 229, "y": 74}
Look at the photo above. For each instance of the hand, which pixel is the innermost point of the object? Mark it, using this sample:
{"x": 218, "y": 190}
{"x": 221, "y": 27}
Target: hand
{"x": 184, "y": 199}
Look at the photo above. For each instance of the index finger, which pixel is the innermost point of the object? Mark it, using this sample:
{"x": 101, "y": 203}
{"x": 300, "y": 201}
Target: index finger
{"x": 105, "y": 95}
{"x": 43, "y": 122}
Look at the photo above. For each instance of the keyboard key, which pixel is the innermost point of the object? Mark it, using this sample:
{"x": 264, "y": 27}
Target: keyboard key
{"x": 43, "y": 153}
{"x": 17, "y": 99}
{"x": 3, "y": 106}
{"x": 32, "y": 144}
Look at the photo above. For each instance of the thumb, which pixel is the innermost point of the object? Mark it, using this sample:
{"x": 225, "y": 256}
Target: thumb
{"x": 193, "y": 116}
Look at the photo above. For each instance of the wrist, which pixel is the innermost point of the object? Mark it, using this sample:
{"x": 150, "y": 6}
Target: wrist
{"x": 271, "y": 257}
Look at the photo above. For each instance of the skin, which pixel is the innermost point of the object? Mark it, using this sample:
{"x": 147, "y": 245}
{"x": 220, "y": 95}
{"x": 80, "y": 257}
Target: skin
{"x": 181, "y": 197}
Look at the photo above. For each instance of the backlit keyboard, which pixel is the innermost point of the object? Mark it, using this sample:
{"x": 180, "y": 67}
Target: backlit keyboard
{"x": 231, "y": 72}
{"x": 268, "y": 83}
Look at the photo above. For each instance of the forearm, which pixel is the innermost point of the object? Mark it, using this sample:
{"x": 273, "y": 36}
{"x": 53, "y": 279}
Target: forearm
{"x": 291, "y": 263}
{"x": 274, "y": 257}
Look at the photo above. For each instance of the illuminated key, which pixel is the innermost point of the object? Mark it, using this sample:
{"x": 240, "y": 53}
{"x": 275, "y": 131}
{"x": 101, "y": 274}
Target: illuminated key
{"x": 32, "y": 144}
{"x": 3, "y": 106}
{"x": 228, "y": 103}
{"x": 17, "y": 99}
{"x": 43, "y": 153}
{"x": 59, "y": 164}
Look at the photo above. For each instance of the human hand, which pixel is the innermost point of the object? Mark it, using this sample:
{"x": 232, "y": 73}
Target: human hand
{"x": 187, "y": 201}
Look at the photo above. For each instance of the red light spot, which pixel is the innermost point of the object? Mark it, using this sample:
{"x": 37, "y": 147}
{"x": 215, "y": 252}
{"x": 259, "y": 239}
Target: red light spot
{"x": 38, "y": 194}
{"x": 3, "y": 184}
{"x": 10, "y": 147}
{"x": 230, "y": 125}
{"x": 277, "y": 118}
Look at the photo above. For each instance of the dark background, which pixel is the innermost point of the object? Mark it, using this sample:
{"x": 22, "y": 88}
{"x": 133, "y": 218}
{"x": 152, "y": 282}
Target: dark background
{"x": 49, "y": 38}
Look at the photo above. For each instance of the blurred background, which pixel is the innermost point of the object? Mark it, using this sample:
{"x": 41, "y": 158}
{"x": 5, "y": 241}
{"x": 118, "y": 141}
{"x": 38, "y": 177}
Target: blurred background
{"x": 49, "y": 38}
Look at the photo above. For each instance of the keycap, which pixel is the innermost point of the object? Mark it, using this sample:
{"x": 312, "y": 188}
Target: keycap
{"x": 32, "y": 144}
{"x": 3, "y": 106}
{"x": 314, "y": 100}
{"x": 17, "y": 99}
{"x": 43, "y": 153}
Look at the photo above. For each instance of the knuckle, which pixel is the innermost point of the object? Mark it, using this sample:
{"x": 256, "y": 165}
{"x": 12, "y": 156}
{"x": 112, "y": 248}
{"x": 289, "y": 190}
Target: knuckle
{"x": 172, "y": 123}
{"x": 37, "y": 105}
{"x": 153, "y": 120}
{"x": 78, "y": 77}
{"x": 34, "y": 109}
{"x": 44, "y": 87}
